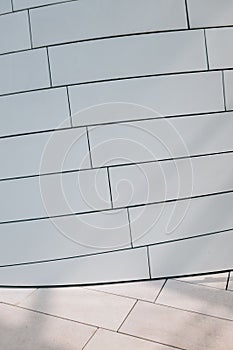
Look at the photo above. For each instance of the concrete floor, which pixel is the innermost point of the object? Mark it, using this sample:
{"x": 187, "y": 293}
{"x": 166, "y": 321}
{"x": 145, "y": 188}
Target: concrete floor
{"x": 189, "y": 314}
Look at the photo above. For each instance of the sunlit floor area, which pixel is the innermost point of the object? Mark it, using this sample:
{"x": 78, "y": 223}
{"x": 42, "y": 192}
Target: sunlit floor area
{"x": 189, "y": 313}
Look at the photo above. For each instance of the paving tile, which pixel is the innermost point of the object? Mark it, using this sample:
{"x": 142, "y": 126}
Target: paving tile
{"x": 218, "y": 280}
{"x": 180, "y": 219}
{"x": 175, "y": 179}
{"x": 220, "y": 52}
{"x": 228, "y": 82}
{"x": 210, "y": 13}
{"x": 187, "y": 296}
{"x": 160, "y": 139}
{"x": 192, "y": 256}
{"x": 192, "y": 93}
{"x": 119, "y": 266}
{"x": 121, "y": 57}
{"x": 5, "y": 6}
{"x": 17, "y": 28}
{"x": 178, "y": 328}
{"x": 103, "y": 19}
{"x": 230, "y": 285}
{"x": 39, "y": 110}
{"x": 82, "y": 305}
{"x": 104, "y": 340}
{"x": 23, "y": 4}
{"x": 14, "y": 295}
{"x": 29, "y": 330}
{"x": 29, "y": 69}
{"x": 76, "y": 192}
{"x": 70, "y": 147}
{"x": 146, "y": 290}
{"x": 63, "y": 237}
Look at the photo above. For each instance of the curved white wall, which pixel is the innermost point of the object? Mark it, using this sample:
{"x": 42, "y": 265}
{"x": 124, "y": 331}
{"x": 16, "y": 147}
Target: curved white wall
{"x": 116, "y": 143}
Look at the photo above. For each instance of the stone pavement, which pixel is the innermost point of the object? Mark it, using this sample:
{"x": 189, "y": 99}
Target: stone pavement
{"x": 189, "y": 313}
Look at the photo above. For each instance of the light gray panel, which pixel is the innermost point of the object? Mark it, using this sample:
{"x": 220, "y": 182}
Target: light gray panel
{"x": 22, "y": 4}
{"x": 166, "y": 95}
{"x": 228, "y": 81}
{"x": 34, "y": 111}
{"x": 175, "y": 220}
{"x": 116, "y": 266}
{"x": 50, "y": 195}
{"x": 24, "y": 71}
{"x": 43, "y": 153}
{"x": 161, "y": 181}
{"x": 196, "y": 255}
{"x": 16, "y": 29}
{"x": 104, "y": 18}
{"x": 220, "y": 50}
{"x": 63, "y": 237}
{"x": 127, "y": 57}
{"x": 161, "y": 139}
{"x": 5, "y": 6}
{"x": 210, "y": 13}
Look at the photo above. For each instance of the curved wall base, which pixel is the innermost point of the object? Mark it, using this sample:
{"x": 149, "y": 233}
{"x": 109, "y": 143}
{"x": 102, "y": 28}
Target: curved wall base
{"x": 177, "y": 259}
